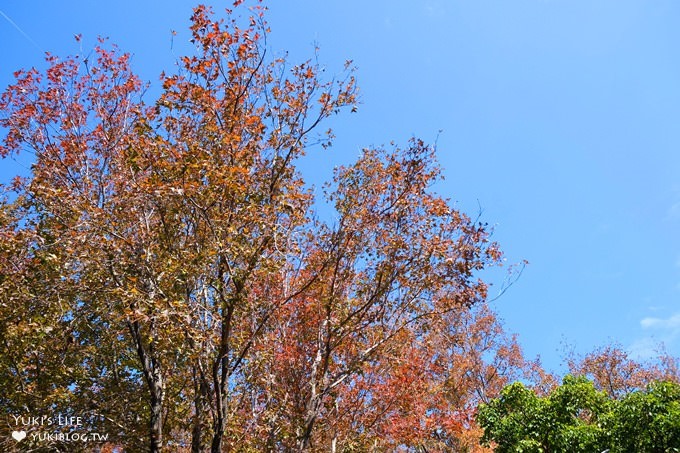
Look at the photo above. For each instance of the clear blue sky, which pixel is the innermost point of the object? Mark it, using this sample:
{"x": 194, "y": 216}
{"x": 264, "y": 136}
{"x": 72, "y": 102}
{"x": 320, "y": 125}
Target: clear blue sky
{"x": 560, "y": 118}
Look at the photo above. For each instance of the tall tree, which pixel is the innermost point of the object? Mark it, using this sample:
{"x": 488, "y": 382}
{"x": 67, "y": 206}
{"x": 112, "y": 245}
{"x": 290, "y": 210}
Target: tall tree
{"x": 171, "y": 252}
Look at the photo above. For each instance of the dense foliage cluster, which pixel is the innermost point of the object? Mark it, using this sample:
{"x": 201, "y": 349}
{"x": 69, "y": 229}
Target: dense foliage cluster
{"x": 576, "y": 417}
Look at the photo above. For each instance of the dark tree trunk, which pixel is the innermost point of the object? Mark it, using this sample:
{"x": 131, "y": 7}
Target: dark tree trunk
{"x": 156, "y": 422}
{"x": 198, "y": 430}
{"x": 154, "y": 380}
{"x": 221, "y": 400}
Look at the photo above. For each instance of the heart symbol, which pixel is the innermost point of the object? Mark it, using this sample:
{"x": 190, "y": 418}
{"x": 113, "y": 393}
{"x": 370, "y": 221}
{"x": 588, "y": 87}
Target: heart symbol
{"x": 18, "y": 435}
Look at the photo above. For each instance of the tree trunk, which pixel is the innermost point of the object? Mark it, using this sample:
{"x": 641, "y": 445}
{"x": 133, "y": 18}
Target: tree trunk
{"x": 156, "y": 422}
{"x": 220, "y": 367}
{"x": 200, "y": 406}
{"x": 313, "y": 408}
{"x": 220, "y": 378}
{"x": 317, "y": 384}
{"x": 218, "y": 435}
{"x": 154, "y": 380}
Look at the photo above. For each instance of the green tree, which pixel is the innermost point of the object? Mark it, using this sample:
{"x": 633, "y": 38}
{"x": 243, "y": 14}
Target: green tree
{"x": 648, "y": 421}
{"x": 576, "y": 417}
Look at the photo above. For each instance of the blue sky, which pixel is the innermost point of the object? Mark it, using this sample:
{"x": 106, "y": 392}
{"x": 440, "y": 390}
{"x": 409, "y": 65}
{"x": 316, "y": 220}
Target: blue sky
{"x": 558, "y": 117}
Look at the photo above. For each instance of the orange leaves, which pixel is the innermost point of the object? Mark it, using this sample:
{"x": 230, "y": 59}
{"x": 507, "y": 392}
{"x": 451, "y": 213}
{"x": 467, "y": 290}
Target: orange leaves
{"x": 390, "y": 278}
{"x": 325, "y": 98}
{"x": 615, "y": 372}
{"x": 252, "y": 120}
{"x": 169, "y": 82}
{"x": 191, "y": 261}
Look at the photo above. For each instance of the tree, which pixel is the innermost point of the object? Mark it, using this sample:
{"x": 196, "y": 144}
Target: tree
{"x": 577, "y": 417}
{"x": 171, "y": 253}
{"x": 612, "y": 370}
{"x": 62, "y": 349}
{"x": 648, "y": 421}
{"x": 420, "y": 394}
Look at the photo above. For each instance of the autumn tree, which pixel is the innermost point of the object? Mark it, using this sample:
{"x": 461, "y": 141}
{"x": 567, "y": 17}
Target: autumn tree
{"x": 63, "y": 341}
{"x": 170, "y": 253}
{"x": 385, "y": 338}
{"x": 613, "y": 370}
